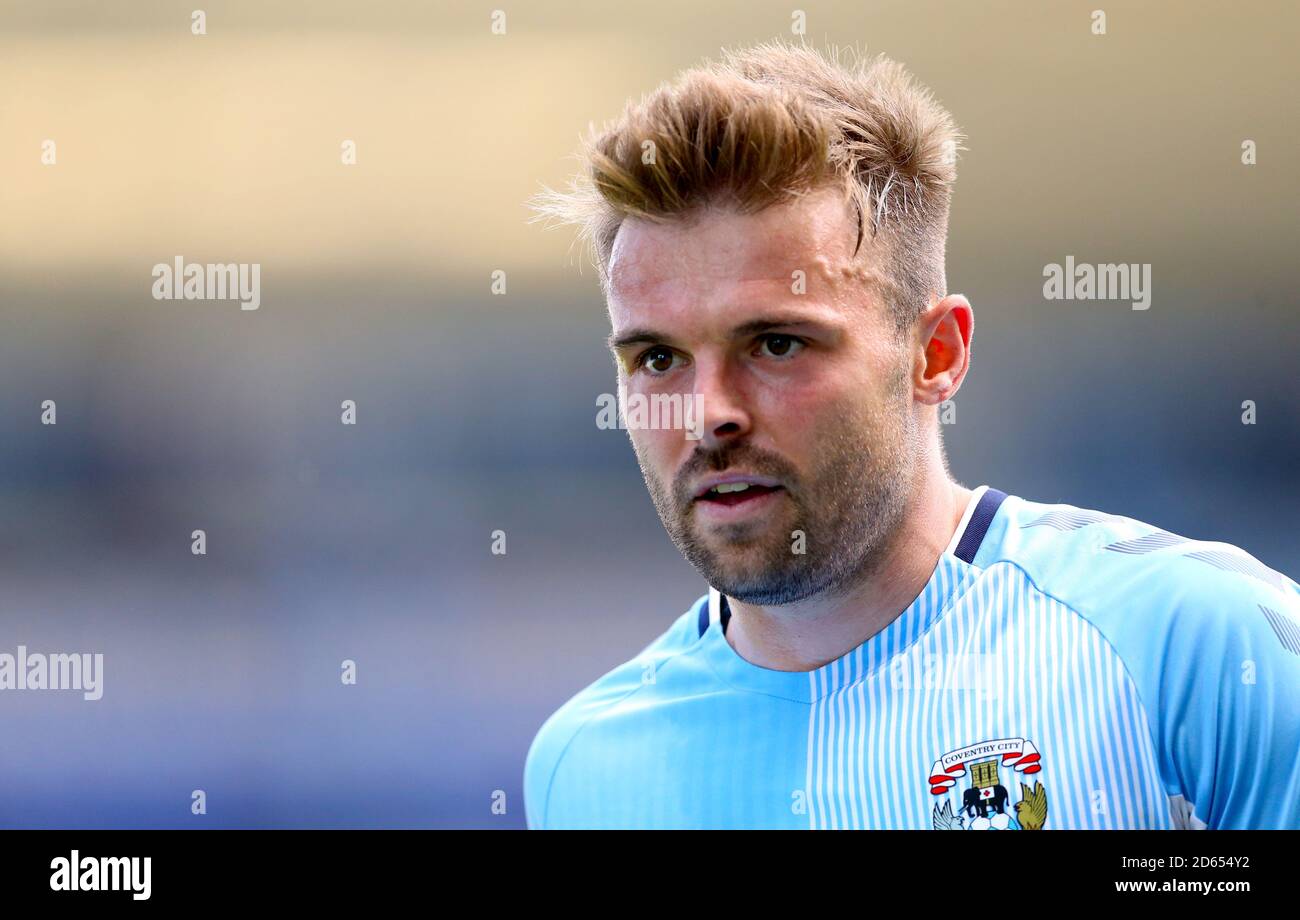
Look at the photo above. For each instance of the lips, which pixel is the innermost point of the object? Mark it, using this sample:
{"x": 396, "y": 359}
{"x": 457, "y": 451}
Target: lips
{"x": 735, "y": 489}
{"x": 736, "y": 493}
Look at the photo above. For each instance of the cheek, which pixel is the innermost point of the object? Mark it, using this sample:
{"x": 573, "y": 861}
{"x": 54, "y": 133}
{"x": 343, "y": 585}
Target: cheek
{"x": 819, "y": 398}
{"x": 794, "y": 410}
{"x": 662, "y": 450}
{"x": 852, "y": 398}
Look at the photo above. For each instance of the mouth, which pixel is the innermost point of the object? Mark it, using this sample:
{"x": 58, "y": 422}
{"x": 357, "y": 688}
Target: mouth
{"x": 734, "y": 498}
{"x": 730, "y": 494}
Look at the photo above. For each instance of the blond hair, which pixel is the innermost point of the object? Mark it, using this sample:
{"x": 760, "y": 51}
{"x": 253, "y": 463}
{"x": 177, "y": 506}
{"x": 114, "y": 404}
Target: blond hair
{"x": 766, "y": 124}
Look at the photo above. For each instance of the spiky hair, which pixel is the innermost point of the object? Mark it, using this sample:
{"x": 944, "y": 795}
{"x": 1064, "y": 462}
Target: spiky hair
{"x": 769, "y": 123}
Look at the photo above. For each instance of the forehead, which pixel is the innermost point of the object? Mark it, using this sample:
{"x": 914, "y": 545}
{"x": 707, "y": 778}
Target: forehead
{"x": 658, "y": 271}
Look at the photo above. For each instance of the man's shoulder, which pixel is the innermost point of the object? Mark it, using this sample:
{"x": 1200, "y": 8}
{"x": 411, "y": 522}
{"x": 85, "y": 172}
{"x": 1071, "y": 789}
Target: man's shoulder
{"x": 1156, "y": 595}
{"x": 1208, "y": 634}
{"x": 630, "y": 676}
{"x": 557, "y": 734}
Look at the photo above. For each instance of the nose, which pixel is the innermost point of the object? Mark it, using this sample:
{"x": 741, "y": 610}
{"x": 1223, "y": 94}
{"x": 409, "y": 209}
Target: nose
{"x": 725, "y": 416}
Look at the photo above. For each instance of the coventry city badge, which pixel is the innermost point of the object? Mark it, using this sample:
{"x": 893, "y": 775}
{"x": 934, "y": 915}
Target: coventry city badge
{"x": 974, "y": 777}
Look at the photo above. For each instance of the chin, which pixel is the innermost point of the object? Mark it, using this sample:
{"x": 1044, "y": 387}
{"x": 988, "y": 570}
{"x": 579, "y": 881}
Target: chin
{"x": 768, "y": 592}
{"x": 750, "y": 576}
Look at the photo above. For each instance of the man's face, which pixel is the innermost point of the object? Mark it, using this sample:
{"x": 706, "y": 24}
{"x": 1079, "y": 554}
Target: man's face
{"x": 806, "y": 397}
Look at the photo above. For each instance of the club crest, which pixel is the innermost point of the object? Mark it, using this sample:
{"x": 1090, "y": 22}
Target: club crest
{"x": 974, "y": 779}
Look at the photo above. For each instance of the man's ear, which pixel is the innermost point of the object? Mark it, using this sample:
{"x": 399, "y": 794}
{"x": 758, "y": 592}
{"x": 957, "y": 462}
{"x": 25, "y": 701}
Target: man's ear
{"x": 945, "y": 330}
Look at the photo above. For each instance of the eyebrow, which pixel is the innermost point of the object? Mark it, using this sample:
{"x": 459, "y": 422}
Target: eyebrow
{"x": 649, "y": 336}
{"x": 634, "y": 337}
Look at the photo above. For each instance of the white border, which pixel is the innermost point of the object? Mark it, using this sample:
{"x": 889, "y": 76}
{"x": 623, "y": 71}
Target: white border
{"x": 965, "y": 519}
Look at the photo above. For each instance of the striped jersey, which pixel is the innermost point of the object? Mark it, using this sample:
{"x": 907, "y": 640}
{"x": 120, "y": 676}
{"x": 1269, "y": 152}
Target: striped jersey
{"x": 1062, "y": 668}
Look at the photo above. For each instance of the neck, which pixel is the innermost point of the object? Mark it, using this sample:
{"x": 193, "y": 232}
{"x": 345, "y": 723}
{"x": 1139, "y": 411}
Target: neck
{"x": 807, "y": 634}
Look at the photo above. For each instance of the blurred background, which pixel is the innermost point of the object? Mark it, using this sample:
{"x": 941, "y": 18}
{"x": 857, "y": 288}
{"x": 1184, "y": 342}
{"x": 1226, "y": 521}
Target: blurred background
{"x": 476, "y": 412}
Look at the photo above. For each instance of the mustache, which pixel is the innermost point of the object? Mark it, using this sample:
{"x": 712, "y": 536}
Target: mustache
{"x": 741, "y": 456}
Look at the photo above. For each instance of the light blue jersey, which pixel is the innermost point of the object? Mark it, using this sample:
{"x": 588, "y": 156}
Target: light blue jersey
{"x": 1062, "y": 668}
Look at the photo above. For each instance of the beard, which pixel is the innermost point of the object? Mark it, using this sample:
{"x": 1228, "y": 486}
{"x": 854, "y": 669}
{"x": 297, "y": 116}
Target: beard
{"x": 847, "y": 507}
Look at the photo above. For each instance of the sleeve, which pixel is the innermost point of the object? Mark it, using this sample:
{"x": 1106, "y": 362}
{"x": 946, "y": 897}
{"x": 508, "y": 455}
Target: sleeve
{"x": 539, "y": 768}
{"x": 555, "y": 738}
{"x": 1229, "y": 701}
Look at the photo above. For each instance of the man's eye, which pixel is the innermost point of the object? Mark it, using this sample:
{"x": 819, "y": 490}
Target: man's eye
{"x": 657, "y": 360}
{"x": 779, "y": 346}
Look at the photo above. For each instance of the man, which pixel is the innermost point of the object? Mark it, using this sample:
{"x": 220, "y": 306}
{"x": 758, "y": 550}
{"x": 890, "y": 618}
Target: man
{"x": 880, "y": 647}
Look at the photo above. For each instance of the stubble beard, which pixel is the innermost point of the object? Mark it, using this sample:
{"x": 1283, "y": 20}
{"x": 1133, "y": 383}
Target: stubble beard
{"x": 848, "y": 508}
